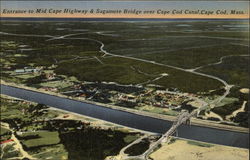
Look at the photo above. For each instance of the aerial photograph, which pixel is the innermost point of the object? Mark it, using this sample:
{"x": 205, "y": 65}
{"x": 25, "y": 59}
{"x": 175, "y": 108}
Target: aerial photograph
{"x": 124, "y": 89}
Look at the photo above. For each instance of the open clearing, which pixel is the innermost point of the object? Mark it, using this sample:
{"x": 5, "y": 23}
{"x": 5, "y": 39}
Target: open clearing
{"x": 191, "y": 150}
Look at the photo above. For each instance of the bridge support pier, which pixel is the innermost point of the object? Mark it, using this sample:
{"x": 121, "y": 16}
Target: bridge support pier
{"x": 188, "y": 122}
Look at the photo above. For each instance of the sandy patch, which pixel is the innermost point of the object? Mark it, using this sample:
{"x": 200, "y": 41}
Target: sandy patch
{"x": 64, "y": 115}
{"x": 213, "y": 115}
{"x": 181, "y": 150}
{"x": 244, "y": 90}
{"x": 241, "y": 109}
{"x": 196, "y": 104}
{"x": 18, "y": 146}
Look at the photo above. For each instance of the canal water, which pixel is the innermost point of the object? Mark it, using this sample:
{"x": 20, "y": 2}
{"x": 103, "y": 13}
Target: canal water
{"x": 204, "y": 134}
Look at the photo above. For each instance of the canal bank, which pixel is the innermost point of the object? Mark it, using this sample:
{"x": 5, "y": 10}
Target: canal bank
{"x": 151, "y": 124}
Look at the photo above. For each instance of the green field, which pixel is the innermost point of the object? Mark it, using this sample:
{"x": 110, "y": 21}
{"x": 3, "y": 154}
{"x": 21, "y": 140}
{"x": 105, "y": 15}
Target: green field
{"x": 4, "y": 131}
{"x": 5, "y": 134}
{"x": 39, "y": 139}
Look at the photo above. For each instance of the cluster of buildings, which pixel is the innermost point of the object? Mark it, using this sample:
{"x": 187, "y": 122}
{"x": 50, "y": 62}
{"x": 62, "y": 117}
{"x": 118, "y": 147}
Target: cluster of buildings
{"x": 147, "y": 97}
{"x": 127, "y": 98}
{"x": 27, "y": 70}
{"x": 111, "y": 93}
{"x": 150, "y": 97}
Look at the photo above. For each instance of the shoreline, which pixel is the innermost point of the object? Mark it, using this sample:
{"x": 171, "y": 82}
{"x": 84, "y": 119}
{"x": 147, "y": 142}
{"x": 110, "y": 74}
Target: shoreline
{"x": 195, "y": 122}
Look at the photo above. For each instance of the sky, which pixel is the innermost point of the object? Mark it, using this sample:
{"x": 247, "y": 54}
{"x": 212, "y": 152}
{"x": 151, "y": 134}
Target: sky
{"x": 212, "y": 6}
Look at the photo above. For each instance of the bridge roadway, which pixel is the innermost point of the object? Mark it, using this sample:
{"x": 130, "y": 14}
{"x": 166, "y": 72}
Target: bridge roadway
{"x": 182, "y": 118}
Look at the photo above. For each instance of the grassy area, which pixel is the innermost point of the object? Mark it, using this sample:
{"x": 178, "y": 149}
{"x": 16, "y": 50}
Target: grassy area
{"x": 201, "y": 144}
{"x": 5, "y": 134}
{"x": 158, "y": 110}
{"x": 11, "y": 110}
{"x": 25, "y": 76}
{"x": 42, "y": 138}
{"x": 57, "y": 84}
{"x": 56, "y": 151}
{"x": 130, "y": 138}
{"x": 22, "y": 114}
{"x": 227, "y": 101}
{"x": 9, "y": 152}
{"x": 4, "y": 131}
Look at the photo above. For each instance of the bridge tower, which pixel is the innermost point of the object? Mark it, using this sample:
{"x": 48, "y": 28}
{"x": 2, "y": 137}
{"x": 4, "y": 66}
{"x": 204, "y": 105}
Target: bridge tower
{"x": 188, "y": 122}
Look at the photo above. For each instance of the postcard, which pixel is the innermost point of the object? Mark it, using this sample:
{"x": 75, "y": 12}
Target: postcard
{"x": 124, "y": 80}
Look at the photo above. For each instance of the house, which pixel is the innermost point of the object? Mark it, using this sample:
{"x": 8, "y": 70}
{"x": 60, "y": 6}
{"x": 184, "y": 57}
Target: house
{"x": 27, "y": 70}
{"x": 19, "y": 71}
{"x": 50, "y": 76}
{"x": 66, "y": 116}
{"x": 50, "y": 89}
